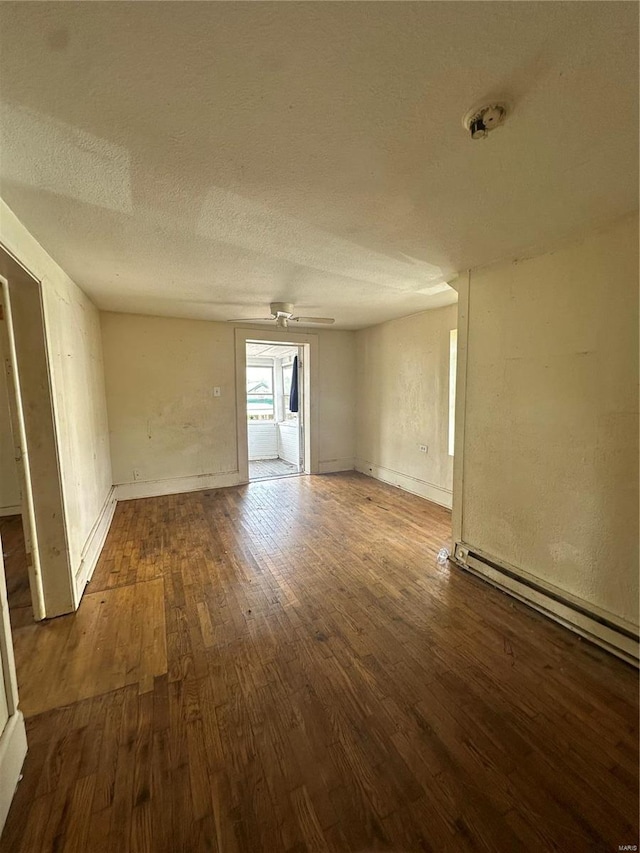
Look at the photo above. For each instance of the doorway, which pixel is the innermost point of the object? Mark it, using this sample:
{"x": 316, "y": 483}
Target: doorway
{"x": 32, "y": 443}
{"x": 275, "y": 410}
{"x": 13, "y": 530}
{"x": 289, "y": 447}
{"x": 24, "y": 590}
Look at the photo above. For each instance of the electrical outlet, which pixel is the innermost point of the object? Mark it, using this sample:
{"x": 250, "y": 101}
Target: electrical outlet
{"x": 216, "y": 391}
{"x": 423, "y": 448}
{"x": 136, "y": 473}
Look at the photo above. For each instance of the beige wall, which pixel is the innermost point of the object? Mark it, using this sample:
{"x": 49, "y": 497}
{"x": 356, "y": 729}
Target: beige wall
{"x": 75, "y": 353}
{"x": 403, "y": 399}
{"x": 164, "y": 421}
{"x": 550, "y": 473}
{"x": 336, "y": 400}
{"x": 74, "y": 350}
{"x": 9, "y": 488}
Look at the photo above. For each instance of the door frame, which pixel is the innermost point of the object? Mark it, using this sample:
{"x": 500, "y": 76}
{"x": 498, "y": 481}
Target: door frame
{"x": 13, "y": 737}
{"x": 303, "y": 455}
{"x": 308, "y": 342}
{"x": 23, "y": 464}
{"x": 462, "y": 286}
{"x": 29, "y": 356}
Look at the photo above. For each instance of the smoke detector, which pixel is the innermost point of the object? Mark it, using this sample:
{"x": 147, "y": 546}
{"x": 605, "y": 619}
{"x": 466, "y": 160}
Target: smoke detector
{"x": 481, "y": 120}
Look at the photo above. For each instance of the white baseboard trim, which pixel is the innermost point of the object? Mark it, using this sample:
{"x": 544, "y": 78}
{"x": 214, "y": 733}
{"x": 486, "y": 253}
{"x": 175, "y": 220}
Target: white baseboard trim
{"x": 16, "y": 509}
{"x": 175, "y": 485}
{"x": 333, "y": 466}
{"x": 606, "y": 630}
{"x": 95, "y": 543}
{"x": 13, "y": 749}
{"x": 429, "y": 491}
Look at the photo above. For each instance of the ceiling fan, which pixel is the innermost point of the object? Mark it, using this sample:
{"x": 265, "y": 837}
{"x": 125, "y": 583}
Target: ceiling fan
{"x": 282, "y": 313}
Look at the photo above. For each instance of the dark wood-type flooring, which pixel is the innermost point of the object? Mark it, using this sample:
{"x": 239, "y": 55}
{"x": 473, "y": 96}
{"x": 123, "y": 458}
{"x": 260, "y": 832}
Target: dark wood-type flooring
{"x": 284, "y": 667}
{"x": 15, "y": 566}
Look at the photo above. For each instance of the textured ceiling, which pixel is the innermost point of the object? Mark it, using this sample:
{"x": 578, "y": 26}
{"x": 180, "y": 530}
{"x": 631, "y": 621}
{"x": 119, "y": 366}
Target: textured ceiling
{"x": 204, "y": 159}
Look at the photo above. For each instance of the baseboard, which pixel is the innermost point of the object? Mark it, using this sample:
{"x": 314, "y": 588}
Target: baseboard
{"x": 95, "y": 542}
{"x": 16, "y": 509}
{"x": 333, "y": 466}
{"x": 605, "y": 629}
{"x": 175, "y": 485}
{"x": 422, "y": 488}
{"x": 13, "y": 749}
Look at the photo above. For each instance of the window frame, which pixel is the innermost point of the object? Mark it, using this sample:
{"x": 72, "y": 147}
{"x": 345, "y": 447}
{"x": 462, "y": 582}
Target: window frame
{"x": 265, "y": 365}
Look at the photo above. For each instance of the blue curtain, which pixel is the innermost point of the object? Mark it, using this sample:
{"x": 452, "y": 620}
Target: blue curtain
{"x": 293, "y": 394}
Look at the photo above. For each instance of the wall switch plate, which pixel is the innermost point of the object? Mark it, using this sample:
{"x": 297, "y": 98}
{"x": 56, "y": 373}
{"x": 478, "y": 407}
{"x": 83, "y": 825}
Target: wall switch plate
{"x": 423, "y": 448}
{"x": 216, "y": 391}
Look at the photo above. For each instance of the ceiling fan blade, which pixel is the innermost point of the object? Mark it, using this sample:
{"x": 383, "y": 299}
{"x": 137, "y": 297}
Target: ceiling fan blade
{"x": 252, "y": 320}
{"x": 324, "y": 320}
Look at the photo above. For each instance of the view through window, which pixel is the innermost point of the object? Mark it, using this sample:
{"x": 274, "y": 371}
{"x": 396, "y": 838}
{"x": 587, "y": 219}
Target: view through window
{"x": 260, "y": 393}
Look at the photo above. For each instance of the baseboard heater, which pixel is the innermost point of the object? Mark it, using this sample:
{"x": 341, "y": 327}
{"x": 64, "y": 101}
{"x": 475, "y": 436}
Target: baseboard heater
{"x": 598, "y": 627}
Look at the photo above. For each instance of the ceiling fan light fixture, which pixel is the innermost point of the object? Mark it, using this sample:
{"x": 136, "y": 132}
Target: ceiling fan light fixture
{"x": 282, "y": 313}
{"x": 281, "y": 309}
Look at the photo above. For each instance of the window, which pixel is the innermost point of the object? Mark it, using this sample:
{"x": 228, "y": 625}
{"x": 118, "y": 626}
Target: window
{"x": 260, "y": 393}
{"x": 453, "y": 360}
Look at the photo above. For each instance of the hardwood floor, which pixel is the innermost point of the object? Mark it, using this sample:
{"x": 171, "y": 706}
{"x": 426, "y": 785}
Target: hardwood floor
{"x": 15, "y": 570}
{"x": 284, "y": 667}
{"x": 266, "y": 469}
